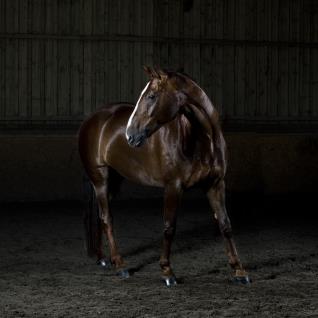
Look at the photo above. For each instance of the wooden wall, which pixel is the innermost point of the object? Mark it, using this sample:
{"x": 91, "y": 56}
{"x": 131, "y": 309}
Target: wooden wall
{"x": 61, "y": 59}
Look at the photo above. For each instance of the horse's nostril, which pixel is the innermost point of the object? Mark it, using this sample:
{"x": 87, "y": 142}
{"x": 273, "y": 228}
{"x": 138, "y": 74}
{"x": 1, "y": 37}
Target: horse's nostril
{"x": 130, "y": 139}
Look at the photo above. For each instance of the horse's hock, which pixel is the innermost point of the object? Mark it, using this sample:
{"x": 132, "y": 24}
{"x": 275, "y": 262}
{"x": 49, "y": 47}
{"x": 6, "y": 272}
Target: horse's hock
{"x": 258, "y": 162}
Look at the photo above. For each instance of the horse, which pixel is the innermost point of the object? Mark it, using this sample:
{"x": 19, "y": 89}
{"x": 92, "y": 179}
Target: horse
{"x": 172, "y": 139}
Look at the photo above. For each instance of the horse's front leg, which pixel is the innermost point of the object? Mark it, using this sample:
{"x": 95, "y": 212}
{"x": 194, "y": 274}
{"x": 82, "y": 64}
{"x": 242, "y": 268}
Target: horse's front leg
{"x": 172, "y": 196}
{"x": 216, "y": 196}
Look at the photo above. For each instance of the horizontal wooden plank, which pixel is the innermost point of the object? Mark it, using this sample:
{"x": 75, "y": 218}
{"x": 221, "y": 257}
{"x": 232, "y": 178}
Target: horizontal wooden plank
{"x": 156, "y": 39}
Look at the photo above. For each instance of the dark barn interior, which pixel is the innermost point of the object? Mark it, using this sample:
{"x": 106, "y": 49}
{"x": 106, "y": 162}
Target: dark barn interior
{"x": 257, "y": 60}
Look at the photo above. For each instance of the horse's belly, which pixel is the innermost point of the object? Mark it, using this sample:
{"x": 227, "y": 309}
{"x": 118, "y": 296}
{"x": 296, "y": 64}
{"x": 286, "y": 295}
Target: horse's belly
{"x": 135, "y": 172}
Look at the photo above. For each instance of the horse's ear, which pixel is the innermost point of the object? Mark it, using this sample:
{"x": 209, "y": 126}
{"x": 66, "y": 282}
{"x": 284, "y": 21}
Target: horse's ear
{"x": 148, "y": 70}
{"x": 152, "y": 72}
{"x": 163, "y": 75}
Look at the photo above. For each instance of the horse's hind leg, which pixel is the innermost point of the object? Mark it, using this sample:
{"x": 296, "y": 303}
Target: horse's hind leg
{"x": 172, "y": 198}
{"x": 94, "y": 242}
{"x": 100, "y": 180}
{"x": 216, "y": 196}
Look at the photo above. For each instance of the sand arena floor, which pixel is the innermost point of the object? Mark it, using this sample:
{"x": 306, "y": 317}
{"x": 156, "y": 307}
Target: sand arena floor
{"x": 44, "y": 270}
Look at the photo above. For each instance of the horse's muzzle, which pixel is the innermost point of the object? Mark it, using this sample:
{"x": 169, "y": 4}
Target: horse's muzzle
{"x": 137, "y": 140}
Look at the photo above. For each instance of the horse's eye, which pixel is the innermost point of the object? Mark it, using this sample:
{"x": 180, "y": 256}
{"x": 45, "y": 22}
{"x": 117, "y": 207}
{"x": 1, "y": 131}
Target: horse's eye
{"x": 152, "y": 96}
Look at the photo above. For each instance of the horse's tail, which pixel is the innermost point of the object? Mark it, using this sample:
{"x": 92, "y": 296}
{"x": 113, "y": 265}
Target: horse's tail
{"x": 92, "y": 223}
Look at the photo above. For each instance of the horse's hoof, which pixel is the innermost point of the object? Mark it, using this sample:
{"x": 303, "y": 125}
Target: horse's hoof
{"x": 123, "y": 273}
{"x": 170, "y": 281}
{"x": 241, "y": 280}
{"x": 104, "y": 263}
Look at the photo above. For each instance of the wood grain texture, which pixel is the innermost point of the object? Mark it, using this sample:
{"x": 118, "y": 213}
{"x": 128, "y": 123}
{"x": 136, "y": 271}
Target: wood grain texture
{"x": 2, "y": 61}
{"x": 61, "y": 59}
{"x": 314, "y": 59}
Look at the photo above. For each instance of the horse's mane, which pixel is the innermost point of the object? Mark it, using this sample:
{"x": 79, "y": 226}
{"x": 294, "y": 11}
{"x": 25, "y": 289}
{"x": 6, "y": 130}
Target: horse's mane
{"x": 180, "y": 73}
{"x": 212, "y": 118}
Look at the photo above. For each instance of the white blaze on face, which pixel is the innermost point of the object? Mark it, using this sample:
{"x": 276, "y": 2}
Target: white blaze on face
{"x": 136, "y": 107}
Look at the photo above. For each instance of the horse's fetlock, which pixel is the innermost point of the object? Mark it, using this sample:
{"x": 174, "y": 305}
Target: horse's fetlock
{"x": 164, "y": 263}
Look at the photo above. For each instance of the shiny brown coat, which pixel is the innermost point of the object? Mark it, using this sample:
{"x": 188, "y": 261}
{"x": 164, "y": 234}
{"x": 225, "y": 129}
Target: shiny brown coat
{"x": 171, "y": 139}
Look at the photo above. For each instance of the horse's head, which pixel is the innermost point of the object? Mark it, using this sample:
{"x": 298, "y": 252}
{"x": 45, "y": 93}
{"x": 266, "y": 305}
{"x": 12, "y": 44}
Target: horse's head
{"x": 158, "y": 103}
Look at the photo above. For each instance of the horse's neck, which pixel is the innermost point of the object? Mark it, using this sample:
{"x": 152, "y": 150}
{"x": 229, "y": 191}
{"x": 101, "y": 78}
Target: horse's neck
{"x": 196, "y": 134}
{"x": 196, "y": 96}
{"x": 199, "y": 109}
{"x": 201, "y": 113}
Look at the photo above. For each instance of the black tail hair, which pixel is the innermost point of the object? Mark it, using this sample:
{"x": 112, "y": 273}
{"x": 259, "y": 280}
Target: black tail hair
{"x": 92, "y": 223}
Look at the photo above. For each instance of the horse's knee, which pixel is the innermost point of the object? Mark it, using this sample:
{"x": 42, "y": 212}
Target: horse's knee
{"x": 169, "y": 229}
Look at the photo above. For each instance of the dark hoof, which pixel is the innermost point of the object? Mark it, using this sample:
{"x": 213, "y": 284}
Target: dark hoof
{"x": 123, "y": 273}
{"x": 241, "y": 280}
{"x": 170, "y": 281}
{"x": 104, "y": 263}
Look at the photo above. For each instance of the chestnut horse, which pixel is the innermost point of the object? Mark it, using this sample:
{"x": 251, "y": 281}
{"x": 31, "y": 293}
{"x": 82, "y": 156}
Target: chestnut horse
{"x": 171, "y": 139}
